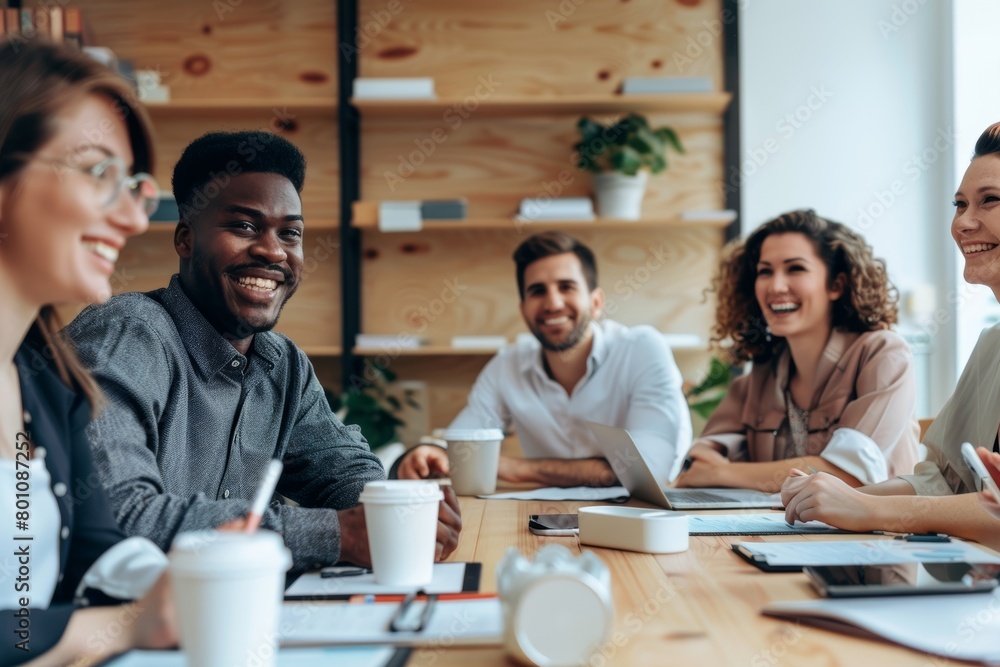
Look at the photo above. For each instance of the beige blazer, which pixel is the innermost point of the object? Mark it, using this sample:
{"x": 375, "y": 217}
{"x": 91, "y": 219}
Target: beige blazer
{"x": 972, "y": 414}
{"x": 861, "y": 417}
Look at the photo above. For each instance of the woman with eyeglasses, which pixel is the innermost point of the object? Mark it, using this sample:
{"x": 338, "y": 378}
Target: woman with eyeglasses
{"x": 74, "y": 149}
{"x": 832, "y": 389}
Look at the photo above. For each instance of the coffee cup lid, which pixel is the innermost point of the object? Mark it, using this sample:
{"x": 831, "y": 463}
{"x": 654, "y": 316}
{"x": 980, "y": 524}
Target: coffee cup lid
{"x": 229, "y": 554}
{"x": 401, "y": 491}
{"x": 473, "y": 434}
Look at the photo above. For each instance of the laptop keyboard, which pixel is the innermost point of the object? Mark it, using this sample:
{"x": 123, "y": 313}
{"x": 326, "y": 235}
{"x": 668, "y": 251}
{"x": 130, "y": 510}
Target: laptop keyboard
{"x": 695, "y": 496}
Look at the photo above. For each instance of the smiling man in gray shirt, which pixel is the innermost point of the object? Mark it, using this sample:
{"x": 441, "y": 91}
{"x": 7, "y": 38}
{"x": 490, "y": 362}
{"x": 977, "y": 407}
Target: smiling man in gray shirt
{"x": 202, "y": 394}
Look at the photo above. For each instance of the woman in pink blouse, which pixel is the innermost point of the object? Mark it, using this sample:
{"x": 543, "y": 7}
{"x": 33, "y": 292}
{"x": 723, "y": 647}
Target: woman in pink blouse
{"x": 831, "y": 388}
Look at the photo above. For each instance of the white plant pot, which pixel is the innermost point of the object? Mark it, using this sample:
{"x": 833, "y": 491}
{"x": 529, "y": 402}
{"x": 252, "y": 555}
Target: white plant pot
{"x": 620, "y": 196}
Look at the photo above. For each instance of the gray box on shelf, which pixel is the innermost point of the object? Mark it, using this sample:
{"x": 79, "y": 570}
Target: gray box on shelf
{"x": 444, "y": 209}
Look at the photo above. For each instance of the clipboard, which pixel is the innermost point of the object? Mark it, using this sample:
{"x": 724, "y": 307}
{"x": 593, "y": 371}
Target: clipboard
{"x": 346, "y": 656}
{"x": 311, "y": 586}
{"x": 760, "y": 562}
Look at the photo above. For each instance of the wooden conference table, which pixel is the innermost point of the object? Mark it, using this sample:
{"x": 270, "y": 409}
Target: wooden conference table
{"x": 700, "y": 607}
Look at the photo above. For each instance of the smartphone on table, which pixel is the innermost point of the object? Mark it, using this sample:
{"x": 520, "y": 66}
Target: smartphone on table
{"x": 902, "y": 579}
{"x": 553, "y": 524}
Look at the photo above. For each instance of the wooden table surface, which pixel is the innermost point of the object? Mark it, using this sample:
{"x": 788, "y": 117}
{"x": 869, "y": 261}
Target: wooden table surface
{"x": 700, "y": 607}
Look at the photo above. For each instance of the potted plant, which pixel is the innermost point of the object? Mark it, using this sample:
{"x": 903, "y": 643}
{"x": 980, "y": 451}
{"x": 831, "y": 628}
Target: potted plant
{"x": 705, "y": 397}
{"x": 372, "y": 408}
{"x": 622, "y": 155}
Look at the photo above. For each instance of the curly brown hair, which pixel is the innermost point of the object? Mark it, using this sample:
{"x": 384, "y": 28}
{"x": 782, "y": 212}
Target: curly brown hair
{"x": 868, "y": 303}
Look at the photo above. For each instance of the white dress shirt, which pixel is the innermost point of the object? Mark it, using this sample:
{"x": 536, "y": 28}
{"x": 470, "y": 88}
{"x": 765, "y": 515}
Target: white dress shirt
{"x": 631, "y": 382}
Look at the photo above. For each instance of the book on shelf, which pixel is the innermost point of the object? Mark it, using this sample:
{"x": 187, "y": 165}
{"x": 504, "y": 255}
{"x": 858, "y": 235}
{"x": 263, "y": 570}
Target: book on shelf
{"x": 167, "y": 210}
{"x": 641, "y": 85}
{"x": 389, "y": 342}
{"x": 478, "y": 342}
{"x": 444, "y": 209}
{"x": 62, "y": 25}
{"x": 412, "y": 88}
{"x": 556, "y": 208}
{"x": 399, "y": 216}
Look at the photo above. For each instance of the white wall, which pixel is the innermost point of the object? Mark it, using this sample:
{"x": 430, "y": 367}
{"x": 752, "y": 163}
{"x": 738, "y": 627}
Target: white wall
{"x": 976, "y": 105}
{"x": 846, "y": 108}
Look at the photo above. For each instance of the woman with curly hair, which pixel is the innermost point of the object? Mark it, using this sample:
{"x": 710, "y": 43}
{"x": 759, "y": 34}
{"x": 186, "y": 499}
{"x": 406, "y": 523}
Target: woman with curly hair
{"x": 832, "y": 388}
{"x": 940, "y": 496}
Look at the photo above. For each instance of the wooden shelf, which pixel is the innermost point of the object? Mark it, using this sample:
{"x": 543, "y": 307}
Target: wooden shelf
{"x": 720, "y": 222}
{"x": 323, "y": 350}
{"x": 292, "y": 106}
{"x": 499, "y": 107}
{"x": 448, "y": 351}
{"x": 165, "y": 226}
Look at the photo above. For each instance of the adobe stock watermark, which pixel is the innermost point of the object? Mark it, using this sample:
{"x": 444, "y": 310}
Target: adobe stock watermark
{"x": 697, "y": 45}
{"x": 454, "y": 116}
{"x": 786, "y": 126}
{"x": 633, "y": 281}
{"x": 369, "y": 27}
{"x": 900, "y": 15}
{"x": 912, "y": 169}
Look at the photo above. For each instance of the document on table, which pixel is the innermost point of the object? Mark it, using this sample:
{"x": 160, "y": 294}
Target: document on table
{"x": 871, "y": 552}
{"x": 460, "y": 622}
{"x": 448, "y": 578}
{"x": 754, "y": 524}
{"x": 342, "y": 656}
{"x": 610, "y": 493}
{"x": 960, "y": 627}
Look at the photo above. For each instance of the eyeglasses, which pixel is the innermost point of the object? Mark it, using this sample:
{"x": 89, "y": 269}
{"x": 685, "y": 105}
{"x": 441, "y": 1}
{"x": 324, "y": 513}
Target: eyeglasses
{"x": 111, "y": 178}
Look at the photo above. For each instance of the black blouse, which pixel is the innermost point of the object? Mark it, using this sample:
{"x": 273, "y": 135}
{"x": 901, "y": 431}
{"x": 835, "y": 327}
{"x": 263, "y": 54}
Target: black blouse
{"x": 58, "y": 418}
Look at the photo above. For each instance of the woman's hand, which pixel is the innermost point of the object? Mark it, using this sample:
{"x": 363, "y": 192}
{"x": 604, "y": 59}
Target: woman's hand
{"x": 708, "y": 468}
{"x": 824, "y": 497}
{"x": 423, "y": 461}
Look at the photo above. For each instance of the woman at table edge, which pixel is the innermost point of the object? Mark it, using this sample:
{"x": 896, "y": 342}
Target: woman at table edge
{"x": 71, "y": 144}
{"x": 938, "y": 497}
{"x": 831, "y": 388}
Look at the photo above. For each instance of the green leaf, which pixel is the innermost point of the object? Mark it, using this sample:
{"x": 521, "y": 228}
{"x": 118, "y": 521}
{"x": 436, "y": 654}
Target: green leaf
{"x": 719, "y": 375}
{"x": 668, "y": 135}
{"x": 628, "y": 161}
{"x": 705, "y": 409}
{"x": 589, "y": 130}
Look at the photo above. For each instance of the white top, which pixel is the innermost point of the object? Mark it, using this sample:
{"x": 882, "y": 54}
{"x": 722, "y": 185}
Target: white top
{"x": 631, "y": 382}
{"x": 43, "y": 526}
{"x": 970, "y": 415}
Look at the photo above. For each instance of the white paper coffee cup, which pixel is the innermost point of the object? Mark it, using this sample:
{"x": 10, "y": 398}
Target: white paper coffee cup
{"x": 401, "y": 517}
{"x": 473, "y": 458}
{"x": 229, "y": 587}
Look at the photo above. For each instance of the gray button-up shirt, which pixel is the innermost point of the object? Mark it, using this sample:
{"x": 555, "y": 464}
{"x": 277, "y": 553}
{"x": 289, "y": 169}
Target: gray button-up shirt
{"x": 191, "y": 424}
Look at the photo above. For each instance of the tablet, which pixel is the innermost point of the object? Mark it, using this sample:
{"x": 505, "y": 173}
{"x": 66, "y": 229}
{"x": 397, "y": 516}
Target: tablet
{"x": 902, "y": 579}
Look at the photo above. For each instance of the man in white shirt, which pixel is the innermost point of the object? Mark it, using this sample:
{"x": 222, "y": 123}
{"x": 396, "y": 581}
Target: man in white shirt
{"x": 575, "y": 369}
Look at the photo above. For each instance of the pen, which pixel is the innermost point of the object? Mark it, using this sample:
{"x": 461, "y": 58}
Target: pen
{"x": 442, "y": 597}
{"x": 264, "y": 493}
{"x": 936, "y": 537}
{"x": 404, "y": 607}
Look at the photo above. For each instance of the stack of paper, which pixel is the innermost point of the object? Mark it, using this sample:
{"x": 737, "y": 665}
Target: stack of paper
{"x": 412, "y": 88}
{"x": 388, "y": 342}
{"x": 556, "y": 208}
{"x": 478, "y": 342}
{"x": 960, "y": 627}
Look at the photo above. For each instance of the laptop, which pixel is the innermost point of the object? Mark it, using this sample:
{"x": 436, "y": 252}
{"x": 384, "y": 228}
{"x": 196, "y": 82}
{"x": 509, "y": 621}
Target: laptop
{"x": 634, "y": 473}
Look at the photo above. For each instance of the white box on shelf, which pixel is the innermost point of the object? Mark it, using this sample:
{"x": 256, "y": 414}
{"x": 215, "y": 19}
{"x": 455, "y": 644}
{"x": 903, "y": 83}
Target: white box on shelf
{"x": 412, "y": 88}
{"x": 399, "y": 216}
{"x": 559, "y": 208}
{"x": 693, "y": 216}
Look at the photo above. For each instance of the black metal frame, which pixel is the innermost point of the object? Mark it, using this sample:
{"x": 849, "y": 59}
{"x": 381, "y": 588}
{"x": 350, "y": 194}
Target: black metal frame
{"x": 731, "y": 120}
{"x": 350, "y": 189}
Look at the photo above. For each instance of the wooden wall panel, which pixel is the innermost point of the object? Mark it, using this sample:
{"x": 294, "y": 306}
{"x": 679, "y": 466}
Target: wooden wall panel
{"x": 314, "y": 133}
{"x": 225, "y": 49}
{"x": 540, "y": 48}
{"x": 495, "y": 164}
{"x": 436, "y": 285}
